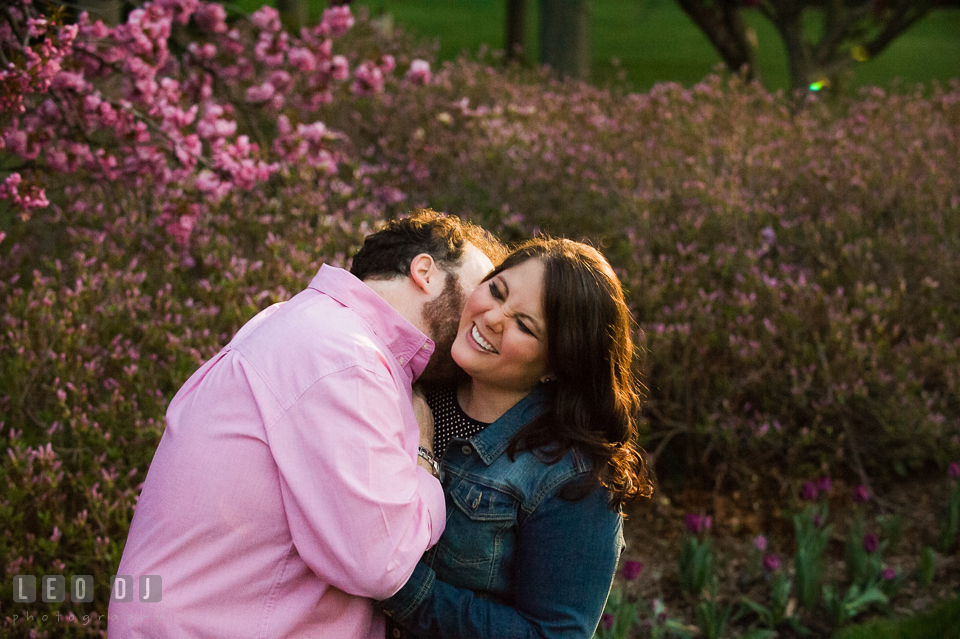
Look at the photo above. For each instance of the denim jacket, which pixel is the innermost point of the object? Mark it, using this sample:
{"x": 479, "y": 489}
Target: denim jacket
{"x": 516, "y": 559}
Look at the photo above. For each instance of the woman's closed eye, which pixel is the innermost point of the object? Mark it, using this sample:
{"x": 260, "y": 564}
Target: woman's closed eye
{"x": 497, "y": 294}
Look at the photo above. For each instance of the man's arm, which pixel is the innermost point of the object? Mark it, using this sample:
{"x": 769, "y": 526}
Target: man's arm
{"x": 360, "y": 511}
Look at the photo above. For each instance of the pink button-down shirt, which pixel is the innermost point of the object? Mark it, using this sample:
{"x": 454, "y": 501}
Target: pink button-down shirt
{"x": 284, "y": 496}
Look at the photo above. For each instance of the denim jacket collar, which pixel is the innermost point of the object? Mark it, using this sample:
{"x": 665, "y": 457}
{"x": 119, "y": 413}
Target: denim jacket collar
{"x": 492, "y": 441}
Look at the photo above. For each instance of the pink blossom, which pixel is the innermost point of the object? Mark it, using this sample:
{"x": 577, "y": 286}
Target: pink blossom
{"x": 387, "y": 63}
{"x": 953, "y": 470}
{"x": 281, "y": 81}
{"x": 302, "y": 59}
{"x": 312, "y": 132}
{"x": 809, "y": 491}
{"x": 66, "y": 80}
{"x": 339, "y": 68}
{"x": 181, "y": 9}
{"x": 339, "y": 20}
{"x": 207, "y": 181}
{"x": 889, "y": 573}
{"x": 367, "y": 79}
{"x": 419, "y": 72}
{"x": 267, "y": 18}
{"x": 261, "y": 93}
{"x": 871, "y": 542}
{"x": 760, "y": 542}
{"x": 212, "y": 17}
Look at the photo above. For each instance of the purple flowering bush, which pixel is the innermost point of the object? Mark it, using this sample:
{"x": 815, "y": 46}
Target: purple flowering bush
{"x": 792, "y": 272}
{"x": 789, "y": 270}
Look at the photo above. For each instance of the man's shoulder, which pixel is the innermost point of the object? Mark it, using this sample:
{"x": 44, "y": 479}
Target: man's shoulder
{"x": 309, "y": 337}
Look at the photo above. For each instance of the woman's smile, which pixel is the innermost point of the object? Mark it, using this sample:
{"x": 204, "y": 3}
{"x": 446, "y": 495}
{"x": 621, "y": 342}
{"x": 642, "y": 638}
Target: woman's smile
{"x": 478, "y": 338}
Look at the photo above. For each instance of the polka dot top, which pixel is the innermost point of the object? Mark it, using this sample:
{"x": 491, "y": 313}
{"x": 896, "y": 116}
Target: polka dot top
{"x": 449, "y": 420}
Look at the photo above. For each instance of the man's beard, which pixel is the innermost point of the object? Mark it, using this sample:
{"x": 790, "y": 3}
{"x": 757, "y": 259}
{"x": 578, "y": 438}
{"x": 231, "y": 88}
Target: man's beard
{"x": 442, "y": 316}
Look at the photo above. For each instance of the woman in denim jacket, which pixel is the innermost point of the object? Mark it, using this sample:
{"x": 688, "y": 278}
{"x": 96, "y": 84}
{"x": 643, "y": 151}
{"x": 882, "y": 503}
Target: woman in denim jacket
{"x": 541, "y": 455}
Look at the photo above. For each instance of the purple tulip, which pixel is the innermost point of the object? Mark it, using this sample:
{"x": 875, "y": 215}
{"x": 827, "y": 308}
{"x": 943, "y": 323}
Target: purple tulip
{"x": 809, "y": 491}
{"x": 771, "y": 563}
{"x": 825, "y": 485}
{"x": 953, "y": 470}
{"x": 817, "y": 520}
{"x": 889, "y": 573}
{"x": 760, "y": 543}
{"x": 697, "y": 523}
{"x": 871, "y": 543}
{"x": 861, "y": 494}
{"x": 632, "y": 569}
{"x": 607, "y": 620}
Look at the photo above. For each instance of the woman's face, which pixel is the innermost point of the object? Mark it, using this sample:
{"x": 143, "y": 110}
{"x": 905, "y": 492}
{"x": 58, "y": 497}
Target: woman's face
{"x": 502, "y": 339}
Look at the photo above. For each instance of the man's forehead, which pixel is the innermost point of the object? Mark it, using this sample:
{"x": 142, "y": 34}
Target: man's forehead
{"x": 475, "y": 267}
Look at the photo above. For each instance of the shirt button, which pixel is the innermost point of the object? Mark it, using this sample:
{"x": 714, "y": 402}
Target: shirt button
{"x": 396, "y": 632}
{"x": 466, "y": 450}
{"x": 401, "y": 361}
{"x": 425, "y": 346}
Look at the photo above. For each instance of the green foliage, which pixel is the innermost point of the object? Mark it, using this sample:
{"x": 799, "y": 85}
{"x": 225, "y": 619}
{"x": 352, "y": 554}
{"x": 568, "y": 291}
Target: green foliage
{"x": 780, "y": 611}
{"x": 712, "y": 616}
{"x": 812, "y": 538}
{"x": 927, "y": 568}
{"x": 855, "y": 601}
{"x": 892, "y": 528}
{"x": 619, "y": 614}
{"x": 940, "y": 621}
{"x": 695, "y": 564}
{"x": 951, "y": 520}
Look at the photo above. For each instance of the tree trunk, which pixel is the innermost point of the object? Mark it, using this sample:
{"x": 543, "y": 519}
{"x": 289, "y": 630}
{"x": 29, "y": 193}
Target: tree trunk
{"x": 565, "y": 37}
{"x": 516, "y": 44}
{"x": 293, "y": 14}
{"x": 799, "y": 62}
{"x": 723, "y": 26}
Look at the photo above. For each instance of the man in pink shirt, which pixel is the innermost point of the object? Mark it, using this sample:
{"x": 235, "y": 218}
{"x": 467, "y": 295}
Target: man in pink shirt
{"x": 287, "y": 492}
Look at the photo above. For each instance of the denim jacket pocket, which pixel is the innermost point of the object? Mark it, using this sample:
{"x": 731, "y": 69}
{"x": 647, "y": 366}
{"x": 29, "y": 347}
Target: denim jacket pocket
{"x": 480, "y": 535}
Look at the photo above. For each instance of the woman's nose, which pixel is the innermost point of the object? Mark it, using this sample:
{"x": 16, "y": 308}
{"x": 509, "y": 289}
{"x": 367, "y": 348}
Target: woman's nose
{"x": 494, "y": 318}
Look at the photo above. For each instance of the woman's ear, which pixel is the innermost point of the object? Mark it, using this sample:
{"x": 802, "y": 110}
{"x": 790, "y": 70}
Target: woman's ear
{"x": 426, "y": 275}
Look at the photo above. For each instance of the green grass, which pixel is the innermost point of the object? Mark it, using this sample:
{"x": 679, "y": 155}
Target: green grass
{"x": 654, "y": 41}
{"x": 941, "y": 621}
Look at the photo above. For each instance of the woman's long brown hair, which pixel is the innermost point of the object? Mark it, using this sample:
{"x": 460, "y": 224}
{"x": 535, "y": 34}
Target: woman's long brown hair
{"x": 595, "y": 395}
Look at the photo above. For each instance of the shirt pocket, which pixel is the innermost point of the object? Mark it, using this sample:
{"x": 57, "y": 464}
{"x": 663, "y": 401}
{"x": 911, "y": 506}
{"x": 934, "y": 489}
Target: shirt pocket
{"x": 477, "y": 547}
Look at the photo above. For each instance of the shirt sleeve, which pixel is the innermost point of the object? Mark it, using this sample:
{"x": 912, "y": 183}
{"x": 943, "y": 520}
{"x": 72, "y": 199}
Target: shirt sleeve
{"x": 566, "y": 558}
{"x": 360, "y": 510}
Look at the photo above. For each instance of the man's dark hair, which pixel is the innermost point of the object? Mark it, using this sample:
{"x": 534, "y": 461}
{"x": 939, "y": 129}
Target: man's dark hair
{"x": 389, "y": 251}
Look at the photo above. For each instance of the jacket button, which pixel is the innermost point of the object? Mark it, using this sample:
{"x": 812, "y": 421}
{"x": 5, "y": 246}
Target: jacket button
{"x": 396, "y": 632}
{"x": 466, "y": 450}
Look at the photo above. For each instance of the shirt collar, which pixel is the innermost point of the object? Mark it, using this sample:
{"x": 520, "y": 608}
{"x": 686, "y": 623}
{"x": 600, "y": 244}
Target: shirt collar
{"x": 493, "y": 440}
{"x": 408, "y": 344}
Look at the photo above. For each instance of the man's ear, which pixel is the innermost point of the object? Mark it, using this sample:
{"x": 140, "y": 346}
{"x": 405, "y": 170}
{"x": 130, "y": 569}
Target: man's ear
{"x": 426, "y": 275}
